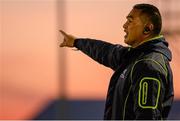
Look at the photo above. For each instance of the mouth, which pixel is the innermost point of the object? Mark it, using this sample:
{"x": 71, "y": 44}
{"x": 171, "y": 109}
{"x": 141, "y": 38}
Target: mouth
{"x": 126, "y": 34}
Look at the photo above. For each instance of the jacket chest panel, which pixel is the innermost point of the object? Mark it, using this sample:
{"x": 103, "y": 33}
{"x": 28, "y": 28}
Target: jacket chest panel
{"x": 123, "y": 81}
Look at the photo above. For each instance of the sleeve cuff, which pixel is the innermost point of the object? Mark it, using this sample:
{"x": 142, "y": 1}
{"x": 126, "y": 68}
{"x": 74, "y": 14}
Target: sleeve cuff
{"x": 75, "y": 42}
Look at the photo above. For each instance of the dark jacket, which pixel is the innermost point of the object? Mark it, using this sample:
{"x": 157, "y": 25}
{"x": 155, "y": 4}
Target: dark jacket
{"x": 142, "y": 85}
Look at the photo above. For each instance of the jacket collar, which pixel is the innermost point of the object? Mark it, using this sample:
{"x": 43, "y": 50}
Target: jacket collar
{"x": 156, "y": 44}
{"x": 156, "y": 37}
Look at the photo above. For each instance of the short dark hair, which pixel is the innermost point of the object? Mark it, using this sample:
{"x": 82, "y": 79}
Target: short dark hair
{"x": 153, "y": 14}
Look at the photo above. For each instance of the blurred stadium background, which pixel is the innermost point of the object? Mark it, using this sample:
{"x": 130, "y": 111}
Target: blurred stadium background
{"x": 39, "y": 80}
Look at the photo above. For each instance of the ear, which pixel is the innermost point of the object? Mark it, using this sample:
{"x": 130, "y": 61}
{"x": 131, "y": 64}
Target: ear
{"x": 151, "y": 27}
{"x": 148, "y": 28}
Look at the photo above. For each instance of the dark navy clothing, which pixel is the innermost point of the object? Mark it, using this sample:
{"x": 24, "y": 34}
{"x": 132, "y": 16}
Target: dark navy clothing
{"x": 142, "y": 84}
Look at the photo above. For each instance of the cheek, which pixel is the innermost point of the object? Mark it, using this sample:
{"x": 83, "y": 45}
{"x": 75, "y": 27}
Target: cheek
{"x": 136, "y": 28}
{"x": 136, "y": 32}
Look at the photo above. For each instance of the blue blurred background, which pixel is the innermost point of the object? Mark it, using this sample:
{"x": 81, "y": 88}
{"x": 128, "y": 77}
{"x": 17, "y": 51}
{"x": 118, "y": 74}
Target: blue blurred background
{"x": 85, "y": 110}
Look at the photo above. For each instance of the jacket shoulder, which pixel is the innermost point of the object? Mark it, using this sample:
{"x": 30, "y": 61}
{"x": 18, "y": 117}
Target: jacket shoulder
{"x": 149, "y": 64}
{"x": 153, "y": 60}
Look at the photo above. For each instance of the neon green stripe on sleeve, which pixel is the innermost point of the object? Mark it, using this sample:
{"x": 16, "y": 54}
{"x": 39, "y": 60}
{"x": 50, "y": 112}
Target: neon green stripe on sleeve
{"x": 144, "y": 91}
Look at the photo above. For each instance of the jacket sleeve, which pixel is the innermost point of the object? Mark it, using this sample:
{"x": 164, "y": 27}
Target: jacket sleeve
{"x": 109, "y": 55}
{"x": 148, "y": 78}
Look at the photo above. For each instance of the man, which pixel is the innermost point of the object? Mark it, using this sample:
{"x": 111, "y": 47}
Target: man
{"x": 142, "y": 85}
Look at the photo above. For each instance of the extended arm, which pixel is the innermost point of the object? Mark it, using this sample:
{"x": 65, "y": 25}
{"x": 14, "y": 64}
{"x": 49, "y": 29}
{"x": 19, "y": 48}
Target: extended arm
{"x": 105, "y": 53}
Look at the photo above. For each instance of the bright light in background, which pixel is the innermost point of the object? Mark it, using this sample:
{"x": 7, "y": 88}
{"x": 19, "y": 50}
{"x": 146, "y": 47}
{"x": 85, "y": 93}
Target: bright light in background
{"x": 29, "y": 60}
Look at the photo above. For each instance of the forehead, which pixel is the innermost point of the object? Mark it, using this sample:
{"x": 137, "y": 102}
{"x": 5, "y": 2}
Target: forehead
{"x": 134, "y": 13}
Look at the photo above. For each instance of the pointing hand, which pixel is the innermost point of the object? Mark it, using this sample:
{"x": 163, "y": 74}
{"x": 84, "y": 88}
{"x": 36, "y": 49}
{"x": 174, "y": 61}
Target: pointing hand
{"x": 68, "y": 40}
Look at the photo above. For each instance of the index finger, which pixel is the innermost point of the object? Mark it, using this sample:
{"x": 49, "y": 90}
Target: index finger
{"x": 63, "y": 33}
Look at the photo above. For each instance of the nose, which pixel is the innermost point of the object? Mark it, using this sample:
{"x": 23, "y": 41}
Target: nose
{"x": 125, "y": 25}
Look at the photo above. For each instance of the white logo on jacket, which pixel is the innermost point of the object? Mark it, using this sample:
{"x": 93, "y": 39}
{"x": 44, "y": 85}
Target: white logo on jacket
{"x": 123, "y": 73}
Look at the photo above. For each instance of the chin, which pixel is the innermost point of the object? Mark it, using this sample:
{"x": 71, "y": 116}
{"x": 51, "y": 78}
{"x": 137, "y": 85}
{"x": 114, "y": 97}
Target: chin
{"x": 126, "y": 41}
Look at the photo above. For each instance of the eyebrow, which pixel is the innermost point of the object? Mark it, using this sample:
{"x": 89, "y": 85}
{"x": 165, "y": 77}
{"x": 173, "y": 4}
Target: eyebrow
{"x": 129, "y": 16}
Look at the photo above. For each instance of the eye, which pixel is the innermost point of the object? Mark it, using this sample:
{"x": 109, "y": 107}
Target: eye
{"x": 130, "y": 20}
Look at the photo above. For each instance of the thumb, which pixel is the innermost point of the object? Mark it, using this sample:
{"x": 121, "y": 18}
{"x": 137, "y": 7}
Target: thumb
{"x": 62, "y": 44}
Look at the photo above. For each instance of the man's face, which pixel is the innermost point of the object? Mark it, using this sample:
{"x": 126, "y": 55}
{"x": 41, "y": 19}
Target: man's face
{"x": 133, "y": 28}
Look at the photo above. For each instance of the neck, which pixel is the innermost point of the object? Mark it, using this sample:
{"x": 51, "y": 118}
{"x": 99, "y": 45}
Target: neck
{"x": 146, "y": 39}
